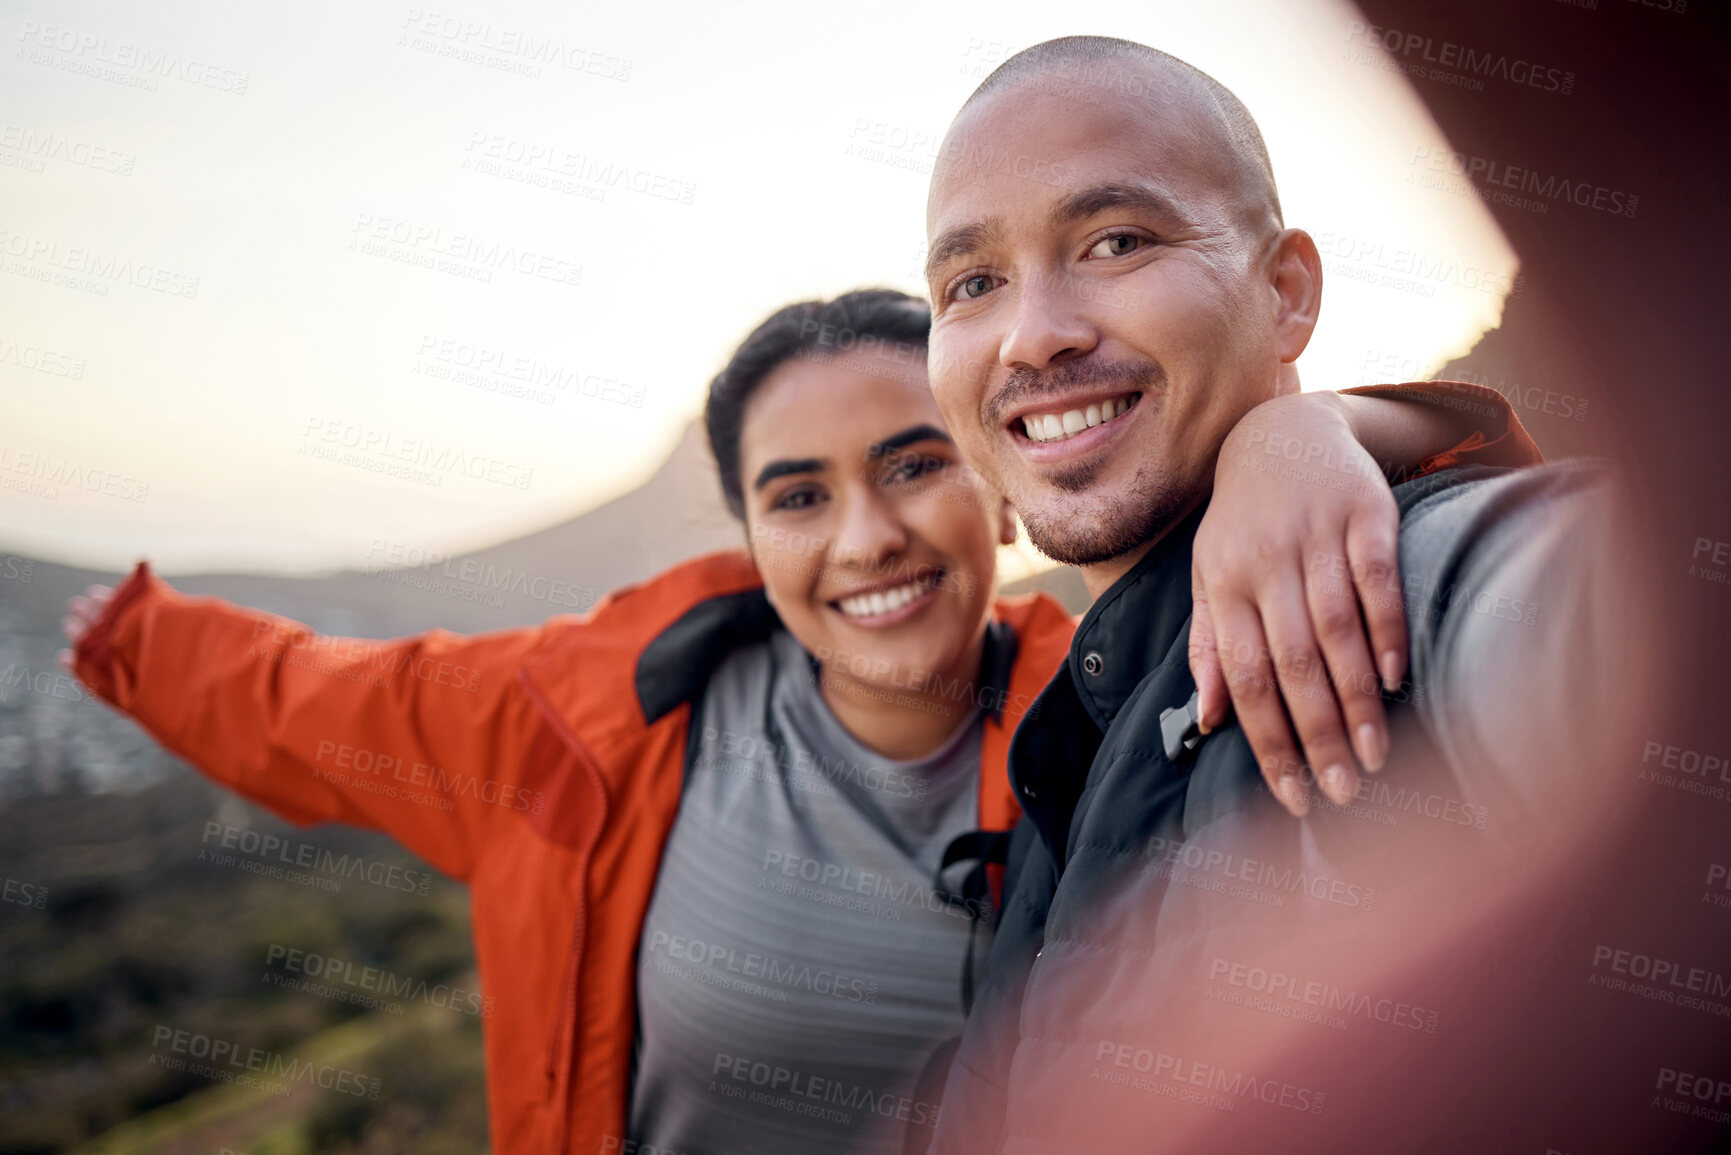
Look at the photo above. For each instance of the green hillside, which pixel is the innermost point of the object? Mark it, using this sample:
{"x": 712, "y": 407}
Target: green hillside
{"x": 144, "y": 967}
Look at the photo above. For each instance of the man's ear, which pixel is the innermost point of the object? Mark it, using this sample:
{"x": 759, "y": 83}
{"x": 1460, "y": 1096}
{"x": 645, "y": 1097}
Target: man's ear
{"x": 1007, "y": 523}
{"x": 1297, "y": 281}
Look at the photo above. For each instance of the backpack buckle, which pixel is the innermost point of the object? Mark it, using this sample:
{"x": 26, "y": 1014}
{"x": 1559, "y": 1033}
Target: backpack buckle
{"x": 1181, "y": 728}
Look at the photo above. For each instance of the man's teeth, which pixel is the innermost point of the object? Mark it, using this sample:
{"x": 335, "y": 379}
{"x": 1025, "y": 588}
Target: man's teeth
{"x": 1061, "y": 426}
{"x": 881, "y": 601}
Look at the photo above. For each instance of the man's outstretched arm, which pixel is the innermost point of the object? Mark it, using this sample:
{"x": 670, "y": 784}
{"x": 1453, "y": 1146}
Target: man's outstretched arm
{"x": 1529, "y": 666}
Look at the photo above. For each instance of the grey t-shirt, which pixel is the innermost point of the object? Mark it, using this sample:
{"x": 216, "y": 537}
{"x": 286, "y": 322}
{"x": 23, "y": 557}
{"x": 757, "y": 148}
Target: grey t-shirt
{"x": 796, "y": 968}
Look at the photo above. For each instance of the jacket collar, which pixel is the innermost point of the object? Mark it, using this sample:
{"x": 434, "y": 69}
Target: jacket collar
{"x": 589, "y": 674}
{"x": 1132, "y": 627}
{"x": 664, "y": 639}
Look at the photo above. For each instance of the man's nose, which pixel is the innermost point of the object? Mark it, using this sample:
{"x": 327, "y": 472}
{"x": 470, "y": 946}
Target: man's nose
{"x": 871, "y": 532}
{"x": 1049, "y": 324}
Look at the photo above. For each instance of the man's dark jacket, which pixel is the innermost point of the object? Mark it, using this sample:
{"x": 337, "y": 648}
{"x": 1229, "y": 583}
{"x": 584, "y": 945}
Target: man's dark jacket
{"x": 1180, "y": 965}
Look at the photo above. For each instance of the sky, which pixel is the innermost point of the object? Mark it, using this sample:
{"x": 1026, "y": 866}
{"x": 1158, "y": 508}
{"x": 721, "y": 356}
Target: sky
{"x": 277, "y": 282}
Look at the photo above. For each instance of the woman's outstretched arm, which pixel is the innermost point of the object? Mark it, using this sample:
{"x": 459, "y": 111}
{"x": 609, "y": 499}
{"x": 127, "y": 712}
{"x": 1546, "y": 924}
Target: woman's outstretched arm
{"x": 421, "y": 737}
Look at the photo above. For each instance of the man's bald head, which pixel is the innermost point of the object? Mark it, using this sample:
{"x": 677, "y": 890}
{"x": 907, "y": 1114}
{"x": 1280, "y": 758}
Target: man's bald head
{"x": 1104, "y": 237}
{"x": 1104, "y": 68}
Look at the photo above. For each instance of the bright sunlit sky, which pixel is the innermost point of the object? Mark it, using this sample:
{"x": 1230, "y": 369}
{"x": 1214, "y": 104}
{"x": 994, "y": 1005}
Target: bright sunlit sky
{"x": 779, "y": 151}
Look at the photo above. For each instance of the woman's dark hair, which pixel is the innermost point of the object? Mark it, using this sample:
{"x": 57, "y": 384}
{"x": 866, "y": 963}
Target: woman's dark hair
{"x": 864, "y": 319}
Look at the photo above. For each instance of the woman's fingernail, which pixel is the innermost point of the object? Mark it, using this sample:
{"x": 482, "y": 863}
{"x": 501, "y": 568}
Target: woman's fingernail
{"x": 1334, "y": 784}
{"x": 1372, "y": 747}
{"x": 1294, "y": 794}
{"x": 1391, "y": 670}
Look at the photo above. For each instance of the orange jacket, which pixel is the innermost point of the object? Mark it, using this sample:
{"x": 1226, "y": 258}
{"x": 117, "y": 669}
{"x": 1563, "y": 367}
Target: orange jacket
{"x": 543, "y": 766}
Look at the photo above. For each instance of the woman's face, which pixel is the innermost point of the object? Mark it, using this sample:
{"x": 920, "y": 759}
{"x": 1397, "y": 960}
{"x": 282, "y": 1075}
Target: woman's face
{"x": 878, "y": 546}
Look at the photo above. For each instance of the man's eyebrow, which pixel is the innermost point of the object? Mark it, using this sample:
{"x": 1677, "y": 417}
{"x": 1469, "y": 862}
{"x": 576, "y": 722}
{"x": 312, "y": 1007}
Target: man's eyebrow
{"x": 907, "y": 437}
{"x": 786, "y": 466}
{"x": 960, "y": 241}
{"x": 1084, "y": 203}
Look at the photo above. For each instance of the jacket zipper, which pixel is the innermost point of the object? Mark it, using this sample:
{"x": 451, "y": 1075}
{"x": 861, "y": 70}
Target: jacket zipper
{"x": 565, "y": 1038}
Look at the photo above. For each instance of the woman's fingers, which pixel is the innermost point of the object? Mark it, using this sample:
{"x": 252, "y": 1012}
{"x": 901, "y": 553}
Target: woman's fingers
{"x": 1352, "y": 678}
{"x": 1251, "y": 681}
{"x": 1211, "y": 694}
{"x": 1304, "y": 683}
{"x": 1299, "y": 674}
{"x": 1298, "y": 659}
{"x": 1373, "y": 561}
{"x": 83, "y": 610}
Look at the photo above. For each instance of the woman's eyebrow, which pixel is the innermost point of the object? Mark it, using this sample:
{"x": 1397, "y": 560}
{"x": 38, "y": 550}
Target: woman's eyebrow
{"x": 786, "y": 466}
{"x": 909, "y": 436}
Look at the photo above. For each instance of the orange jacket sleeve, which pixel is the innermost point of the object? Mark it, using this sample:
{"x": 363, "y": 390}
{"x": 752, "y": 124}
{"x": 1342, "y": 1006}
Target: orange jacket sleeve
{"x": 421, "y": 737}
{"x": 1498, "y": 439}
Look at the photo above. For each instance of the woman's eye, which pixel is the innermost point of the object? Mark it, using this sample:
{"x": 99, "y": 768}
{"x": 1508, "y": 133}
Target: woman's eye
{"x": 915, "y": 468}
{"x": 975, "y": 286}
{"x": 1117, "y": 245}
{"x": 796, "y": 499}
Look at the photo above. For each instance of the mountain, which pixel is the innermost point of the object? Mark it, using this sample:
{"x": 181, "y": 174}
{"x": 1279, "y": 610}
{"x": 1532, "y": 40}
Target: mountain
{"x": 676, "y": 514}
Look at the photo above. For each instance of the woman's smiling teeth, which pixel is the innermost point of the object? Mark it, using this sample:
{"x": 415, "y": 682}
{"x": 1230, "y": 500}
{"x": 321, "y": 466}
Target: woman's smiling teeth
{"x": 881, "y": 601}
{"x": 1062, "y": 426}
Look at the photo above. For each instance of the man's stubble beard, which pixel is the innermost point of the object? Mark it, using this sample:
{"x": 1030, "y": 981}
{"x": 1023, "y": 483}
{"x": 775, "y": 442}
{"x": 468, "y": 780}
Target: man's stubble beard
{"x": 1084, "y": 527}
{"x": 1087, "y": 528}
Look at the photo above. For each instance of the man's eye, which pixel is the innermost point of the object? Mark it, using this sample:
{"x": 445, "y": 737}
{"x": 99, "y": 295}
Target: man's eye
{"x": 1117, "y": 245}
{"x": 976, "y": 286}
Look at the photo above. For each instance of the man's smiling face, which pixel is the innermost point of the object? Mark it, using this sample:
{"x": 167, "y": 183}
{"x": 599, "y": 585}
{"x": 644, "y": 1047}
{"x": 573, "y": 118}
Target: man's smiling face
{"x": 1094, "y": 341}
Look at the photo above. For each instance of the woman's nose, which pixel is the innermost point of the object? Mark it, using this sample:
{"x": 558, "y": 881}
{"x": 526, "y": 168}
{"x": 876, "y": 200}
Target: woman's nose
{"x": 870, "y": 532}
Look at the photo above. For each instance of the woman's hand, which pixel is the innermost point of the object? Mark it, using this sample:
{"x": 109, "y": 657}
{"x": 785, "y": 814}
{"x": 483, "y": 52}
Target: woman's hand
{"x": 1297, "y": 596}
{"x": 82, "y": 611}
